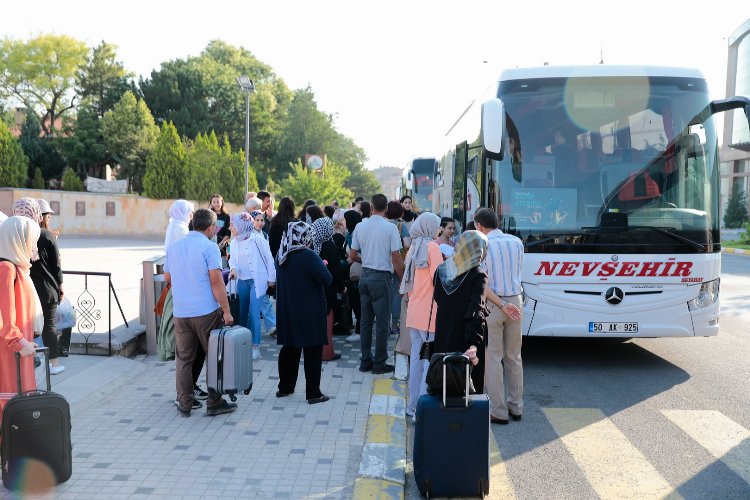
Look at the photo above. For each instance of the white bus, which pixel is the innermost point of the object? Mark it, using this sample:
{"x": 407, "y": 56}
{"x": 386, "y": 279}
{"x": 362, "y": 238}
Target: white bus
{"x": 610, "y": 177}
{"x": 417, "y": 182}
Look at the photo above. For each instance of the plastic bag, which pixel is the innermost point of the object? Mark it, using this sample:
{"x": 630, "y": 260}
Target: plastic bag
{"x": 66, "y": 315}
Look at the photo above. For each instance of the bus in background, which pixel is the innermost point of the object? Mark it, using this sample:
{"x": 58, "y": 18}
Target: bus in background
{"x": 610, "y": 177}
{"x": 417, "y": 182}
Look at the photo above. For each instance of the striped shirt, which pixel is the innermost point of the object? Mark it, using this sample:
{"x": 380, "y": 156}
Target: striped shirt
{"x": 503, "y": 263}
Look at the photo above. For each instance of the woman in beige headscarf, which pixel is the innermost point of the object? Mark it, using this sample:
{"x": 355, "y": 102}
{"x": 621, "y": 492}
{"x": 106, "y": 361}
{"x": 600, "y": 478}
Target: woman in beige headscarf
{"x": 460, "y": 323}
{"x": 18, "y": 237}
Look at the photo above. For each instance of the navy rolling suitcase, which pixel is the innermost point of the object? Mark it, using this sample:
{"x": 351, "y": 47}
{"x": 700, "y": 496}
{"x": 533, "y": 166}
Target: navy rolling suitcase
{"x": 36, "y": 428}
{"x": 452, "y": 442}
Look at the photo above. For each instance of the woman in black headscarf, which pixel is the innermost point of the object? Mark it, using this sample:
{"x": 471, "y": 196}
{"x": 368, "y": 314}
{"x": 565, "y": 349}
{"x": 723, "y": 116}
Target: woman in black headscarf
{"x": 460, "y": 299}
{"x": 301, "y": 324}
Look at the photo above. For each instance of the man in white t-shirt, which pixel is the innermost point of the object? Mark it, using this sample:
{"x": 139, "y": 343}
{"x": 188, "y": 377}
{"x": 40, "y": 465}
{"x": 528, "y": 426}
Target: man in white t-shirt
{"x": 376, "y": 244}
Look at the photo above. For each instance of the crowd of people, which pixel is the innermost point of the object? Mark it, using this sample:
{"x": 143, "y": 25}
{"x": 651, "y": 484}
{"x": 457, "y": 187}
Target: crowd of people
{"x": 372, "y": 270}
{"x": 375, "y": 269}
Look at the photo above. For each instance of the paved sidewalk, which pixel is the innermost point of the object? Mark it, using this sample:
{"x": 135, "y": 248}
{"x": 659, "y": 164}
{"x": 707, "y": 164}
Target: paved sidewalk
{"x": 130, "y": 442}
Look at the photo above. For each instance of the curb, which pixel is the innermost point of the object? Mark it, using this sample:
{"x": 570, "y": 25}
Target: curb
{"x": 736, "y": 251}
{"x": 382, "y": 473}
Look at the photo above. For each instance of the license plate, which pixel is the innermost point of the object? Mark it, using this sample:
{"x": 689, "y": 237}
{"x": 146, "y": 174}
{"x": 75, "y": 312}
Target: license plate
{"x": 607, "y": 327}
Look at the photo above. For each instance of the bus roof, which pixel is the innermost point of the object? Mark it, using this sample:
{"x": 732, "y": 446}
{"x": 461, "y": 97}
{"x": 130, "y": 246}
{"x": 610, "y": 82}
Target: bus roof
{"x": 599, "y": 70}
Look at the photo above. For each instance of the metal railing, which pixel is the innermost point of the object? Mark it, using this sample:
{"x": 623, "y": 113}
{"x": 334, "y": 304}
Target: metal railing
{"x": 87, "y": 313}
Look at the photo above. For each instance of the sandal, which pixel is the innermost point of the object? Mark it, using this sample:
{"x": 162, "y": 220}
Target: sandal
{"x": 322, "y": 399}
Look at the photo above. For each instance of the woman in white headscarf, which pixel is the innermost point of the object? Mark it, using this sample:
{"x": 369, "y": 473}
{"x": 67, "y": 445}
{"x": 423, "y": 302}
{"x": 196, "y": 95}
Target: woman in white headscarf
{"x": 420, "y": 265}
{"x": 180, "y": 214}
{"x": 250, "y": 261}
{"x": 18, "y": 237}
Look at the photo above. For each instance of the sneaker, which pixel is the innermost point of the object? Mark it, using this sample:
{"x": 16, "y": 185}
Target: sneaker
{"x": 256, "y": 352}
{"x": 224, "y": 407}
{"x": 272, "y": 332}
{"x": 354, "y": 337}
{"x": 200, "y": 393}
{"x": 410, "y": 412}
{"x": 365, "y": 367}
{"x": 56, "y": 370}
{"x": 385, "y": 369}
{"x": 395, "y": 329}
{"x": 196, "y": 404}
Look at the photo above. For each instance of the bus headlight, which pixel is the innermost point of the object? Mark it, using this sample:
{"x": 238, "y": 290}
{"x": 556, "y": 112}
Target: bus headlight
{"x": 707, "y": 296}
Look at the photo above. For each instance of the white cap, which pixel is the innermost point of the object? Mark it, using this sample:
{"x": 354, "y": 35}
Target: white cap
{"x": 44, "y": 206}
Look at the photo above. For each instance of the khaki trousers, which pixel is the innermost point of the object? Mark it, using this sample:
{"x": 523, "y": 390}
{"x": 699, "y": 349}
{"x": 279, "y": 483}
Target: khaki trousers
{"x": 191, "y": 334}
{"x": 503, "y": 362}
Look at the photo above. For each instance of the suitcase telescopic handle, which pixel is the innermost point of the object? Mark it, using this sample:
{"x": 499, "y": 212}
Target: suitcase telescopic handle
{"x": 45, "y": 350}
{"x": 466, "y": 360}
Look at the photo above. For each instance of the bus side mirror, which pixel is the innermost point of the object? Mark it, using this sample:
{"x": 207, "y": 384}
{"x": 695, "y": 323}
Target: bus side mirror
{"x": 493, "y": 116}
{"x": 735, "y": 102}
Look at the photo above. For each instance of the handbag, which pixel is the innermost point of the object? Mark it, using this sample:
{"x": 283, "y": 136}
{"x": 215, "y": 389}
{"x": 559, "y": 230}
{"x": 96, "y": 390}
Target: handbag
{"x": 66, "y": 315}
{"x": 159, "y": 307}
{"x": 455, "y": 375}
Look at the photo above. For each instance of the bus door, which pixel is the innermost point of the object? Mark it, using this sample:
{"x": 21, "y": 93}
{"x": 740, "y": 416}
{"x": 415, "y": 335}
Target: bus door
{"x": 459, "y": 185}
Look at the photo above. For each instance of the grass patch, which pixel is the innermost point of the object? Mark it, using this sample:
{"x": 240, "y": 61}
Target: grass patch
{"x": 735, "y": 244}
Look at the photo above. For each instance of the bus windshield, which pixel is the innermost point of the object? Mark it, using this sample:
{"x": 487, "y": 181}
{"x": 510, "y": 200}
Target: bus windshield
{"x": 423, "y": 170}
{"x": 608, "y": 165}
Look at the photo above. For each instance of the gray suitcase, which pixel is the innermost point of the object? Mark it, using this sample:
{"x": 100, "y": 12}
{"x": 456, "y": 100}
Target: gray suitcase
{"x": 230, "y": 361}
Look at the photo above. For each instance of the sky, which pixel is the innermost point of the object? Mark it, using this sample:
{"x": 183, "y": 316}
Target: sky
{"x": 396, "y": 74}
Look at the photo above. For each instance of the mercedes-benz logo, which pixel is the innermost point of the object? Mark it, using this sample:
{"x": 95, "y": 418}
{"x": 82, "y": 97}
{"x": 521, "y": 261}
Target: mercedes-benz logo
{"x": 615, "y": 258}
{"x": 613, "y": 296}
{"x": 36, "y": 414}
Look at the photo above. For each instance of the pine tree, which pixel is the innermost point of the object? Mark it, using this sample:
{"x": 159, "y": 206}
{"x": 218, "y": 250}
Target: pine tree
{"x": 71, "y": 181}
{"x": 736, "y": 213}
{"x": 165, "y": 166}
{"x": 38, "y": 181}
{"x": 13, "y": 162}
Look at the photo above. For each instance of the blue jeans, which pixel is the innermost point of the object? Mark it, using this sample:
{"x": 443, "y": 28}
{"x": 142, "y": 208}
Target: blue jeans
{"x": 395, "y": 300}
{"x": 269, "y": 312}
{"x": 249, "y": 308}
{"x": 375, "y": 289}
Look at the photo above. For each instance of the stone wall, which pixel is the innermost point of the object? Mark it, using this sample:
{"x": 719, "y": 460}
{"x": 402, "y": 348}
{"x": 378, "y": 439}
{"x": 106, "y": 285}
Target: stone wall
{"x": 83, "y": 213}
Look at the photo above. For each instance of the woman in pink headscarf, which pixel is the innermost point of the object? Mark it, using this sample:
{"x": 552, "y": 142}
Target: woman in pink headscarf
{"x": 18, "y": 237}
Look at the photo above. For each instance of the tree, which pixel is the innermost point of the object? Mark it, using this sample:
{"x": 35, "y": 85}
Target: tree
{"x": 203, "y": 170}
{"x": 233, "y": 174}
{"x": 200, "y": 95}
{"x": 41, "y": 74}
{"x": 165, "y": 167}
{"x": 130, "y": 135}
{"x": 363, "y": 182}
{"x": 304, "y": 183}
{"x": 13, "y": 162}
{"x": 103, "y": 80}
{"x": 38, "y": 181}
{"x": 736, "y": 213}
{"x": 41, "y": 150}
{"x": 71, "y": 181}
{"x": 83, "y": 143}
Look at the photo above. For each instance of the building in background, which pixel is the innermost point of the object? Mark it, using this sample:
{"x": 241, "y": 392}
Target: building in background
{"x": 390, "y": 180}
{"x": 735, "y": 147}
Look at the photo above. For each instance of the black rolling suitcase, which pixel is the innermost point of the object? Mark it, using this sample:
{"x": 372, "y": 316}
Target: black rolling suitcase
{"x": 36, "y": 427}
{"x": 452, "y": 442}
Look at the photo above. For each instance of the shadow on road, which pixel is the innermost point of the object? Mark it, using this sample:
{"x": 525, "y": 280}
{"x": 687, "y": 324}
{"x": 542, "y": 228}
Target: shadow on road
{"x": 607, "y": 374}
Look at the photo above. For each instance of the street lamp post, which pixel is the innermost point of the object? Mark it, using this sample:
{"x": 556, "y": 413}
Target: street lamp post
{"x": 246, "y": 85}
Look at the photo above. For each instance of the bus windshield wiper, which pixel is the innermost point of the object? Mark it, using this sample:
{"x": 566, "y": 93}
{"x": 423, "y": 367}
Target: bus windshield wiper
{"x": 666, "y": 232}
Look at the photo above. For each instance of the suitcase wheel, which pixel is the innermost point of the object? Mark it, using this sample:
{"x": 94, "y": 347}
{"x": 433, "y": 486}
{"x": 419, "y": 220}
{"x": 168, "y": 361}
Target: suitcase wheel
{"x": 247, "y": 391}
{"x": 233, "y": 397}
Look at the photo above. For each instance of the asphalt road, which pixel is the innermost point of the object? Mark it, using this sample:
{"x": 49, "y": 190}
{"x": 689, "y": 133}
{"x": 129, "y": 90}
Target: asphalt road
{"x": 640, "y": 419}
